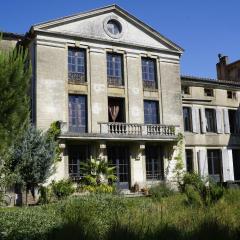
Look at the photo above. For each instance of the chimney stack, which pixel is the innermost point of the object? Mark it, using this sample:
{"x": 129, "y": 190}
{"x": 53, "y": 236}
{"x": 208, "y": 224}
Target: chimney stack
{"x": 222, "y": 67}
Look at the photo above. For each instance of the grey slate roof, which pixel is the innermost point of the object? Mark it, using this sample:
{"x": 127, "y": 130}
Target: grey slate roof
{"x": 209, "y": 81}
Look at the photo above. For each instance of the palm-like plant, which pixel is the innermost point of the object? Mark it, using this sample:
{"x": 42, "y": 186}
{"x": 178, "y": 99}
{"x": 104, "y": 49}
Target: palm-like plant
{"x": 97, "y": 171}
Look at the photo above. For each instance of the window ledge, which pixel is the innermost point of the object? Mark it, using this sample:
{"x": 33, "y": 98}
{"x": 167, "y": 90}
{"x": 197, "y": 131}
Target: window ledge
{"x": 150, "y": 89}
{"x": 116, "y": 86}
{"x": 84, "y": 84}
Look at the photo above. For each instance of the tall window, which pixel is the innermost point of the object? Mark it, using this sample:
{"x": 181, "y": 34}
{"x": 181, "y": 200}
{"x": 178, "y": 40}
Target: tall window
{"x": 189, "y": 160}
{"x": 114, "y": 69}
{"x": 77, "y": 155}
{"x": 76, "y": 65}
{"x": 214, "y": 162}
{"x": 151, "y": 112}
{"x": 149, "y": 73}
{"x": 210, "y": 120}
{"x": 232, "y": 114}
{"x": 187, "y": 119}
{"x": 154, "y": 163}
{"x": 77, "y": 113}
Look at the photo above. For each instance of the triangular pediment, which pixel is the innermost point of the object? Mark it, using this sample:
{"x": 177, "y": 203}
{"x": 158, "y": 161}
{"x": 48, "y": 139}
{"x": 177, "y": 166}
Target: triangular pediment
{"x": 93, "y": 24}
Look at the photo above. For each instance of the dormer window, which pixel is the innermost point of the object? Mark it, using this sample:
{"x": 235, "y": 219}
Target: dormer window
{"x": 185, "y": 90}
{"x": 208, "y": 92}
{"x": 231, "y": 95}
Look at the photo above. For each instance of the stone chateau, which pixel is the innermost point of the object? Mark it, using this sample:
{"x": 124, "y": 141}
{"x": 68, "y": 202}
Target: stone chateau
{"x": 114, "y": 84}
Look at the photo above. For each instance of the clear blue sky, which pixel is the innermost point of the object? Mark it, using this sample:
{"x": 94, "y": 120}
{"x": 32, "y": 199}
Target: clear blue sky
{"x": 203, "y": 28}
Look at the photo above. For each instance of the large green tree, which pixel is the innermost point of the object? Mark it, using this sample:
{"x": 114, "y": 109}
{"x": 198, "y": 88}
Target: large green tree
{"x": 31, "y": 159}
{"x": 15, "y": 73}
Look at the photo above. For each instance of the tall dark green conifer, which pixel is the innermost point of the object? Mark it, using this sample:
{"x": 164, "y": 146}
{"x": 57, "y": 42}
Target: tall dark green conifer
{"x": 15, "y": 73}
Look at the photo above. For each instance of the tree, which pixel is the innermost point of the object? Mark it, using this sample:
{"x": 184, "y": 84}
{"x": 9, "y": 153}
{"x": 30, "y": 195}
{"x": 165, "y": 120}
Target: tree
{"x": 31, "y": 158}
{"x": 15, "y": 74}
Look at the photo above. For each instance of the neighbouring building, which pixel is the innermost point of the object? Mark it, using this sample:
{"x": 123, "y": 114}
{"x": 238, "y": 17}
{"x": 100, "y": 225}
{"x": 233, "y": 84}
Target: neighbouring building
{"x": 114, "y": 84}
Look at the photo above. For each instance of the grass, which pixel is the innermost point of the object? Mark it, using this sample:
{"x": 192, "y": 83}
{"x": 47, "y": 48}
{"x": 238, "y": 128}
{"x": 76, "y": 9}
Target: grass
{"x": 113, "y": 217}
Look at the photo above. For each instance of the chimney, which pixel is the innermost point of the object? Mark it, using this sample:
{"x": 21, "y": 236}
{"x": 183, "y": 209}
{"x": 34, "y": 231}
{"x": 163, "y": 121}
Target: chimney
{"x": 222, "y": 67}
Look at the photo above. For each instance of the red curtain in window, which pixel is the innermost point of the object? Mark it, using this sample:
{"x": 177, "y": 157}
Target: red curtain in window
{"x": 114, "y": 110}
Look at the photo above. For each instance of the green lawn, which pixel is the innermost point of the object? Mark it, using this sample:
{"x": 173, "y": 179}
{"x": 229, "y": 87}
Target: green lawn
{"x": 113, "y": 217}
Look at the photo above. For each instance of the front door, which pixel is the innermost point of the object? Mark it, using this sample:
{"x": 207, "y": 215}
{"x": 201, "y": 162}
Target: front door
{"x": 236, "y": 164}
{"x": 118, "y": 156}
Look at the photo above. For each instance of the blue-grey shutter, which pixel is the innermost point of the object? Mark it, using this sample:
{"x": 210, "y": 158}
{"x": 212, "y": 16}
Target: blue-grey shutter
{"x": 203, "y": 120}
{"x": 227, "y": 164}
{"x": 203, "y": 163}
{"x": 226, "y": 121}
{"x": 219, "y": 117}
{"x": 195, "y": 120}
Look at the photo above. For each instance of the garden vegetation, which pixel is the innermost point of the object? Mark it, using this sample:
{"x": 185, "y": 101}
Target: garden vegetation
{"x": 165, "y": 214}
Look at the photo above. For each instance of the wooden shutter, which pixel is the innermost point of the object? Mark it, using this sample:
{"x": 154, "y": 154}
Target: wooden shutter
{"x": 203, "y": 163}
{"x": 219, "y": 117}
{"x": 195, "y": 120}
{"x": 203, "y": 120}
{"x": 227, "y": 165}
{"x": 226, "y": 121}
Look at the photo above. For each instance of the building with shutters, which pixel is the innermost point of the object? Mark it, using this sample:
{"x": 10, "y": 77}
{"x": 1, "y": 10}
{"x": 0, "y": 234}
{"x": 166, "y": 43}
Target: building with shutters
{"x": 114, "y": 84}
{"x": 211, "y": 118}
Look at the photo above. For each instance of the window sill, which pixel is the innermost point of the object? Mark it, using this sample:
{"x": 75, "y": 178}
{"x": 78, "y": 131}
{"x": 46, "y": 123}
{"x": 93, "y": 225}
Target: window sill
{"x": 150, "y": 89}
{"x": 115, "y": 86}
{"x": 74, "y": 83}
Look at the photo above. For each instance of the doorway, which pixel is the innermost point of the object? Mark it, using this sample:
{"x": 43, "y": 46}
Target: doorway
{"x": 118, "y": 157}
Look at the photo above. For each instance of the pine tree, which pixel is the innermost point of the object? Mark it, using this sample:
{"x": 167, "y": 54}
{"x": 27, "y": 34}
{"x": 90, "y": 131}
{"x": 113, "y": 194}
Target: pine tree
{"x": 15, "y": 74}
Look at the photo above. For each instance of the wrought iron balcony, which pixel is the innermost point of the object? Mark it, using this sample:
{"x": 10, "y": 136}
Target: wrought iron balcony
{"x": 134, "y": 129}
{"x": 76, "y": 78}
{"x": 149, "y": 84}
{"x": 115, "y": 81}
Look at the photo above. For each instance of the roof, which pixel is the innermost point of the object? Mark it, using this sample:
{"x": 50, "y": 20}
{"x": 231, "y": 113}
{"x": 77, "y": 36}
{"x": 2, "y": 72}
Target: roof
{"x": 108, "y": 8}
{"x": 210, "y": 81}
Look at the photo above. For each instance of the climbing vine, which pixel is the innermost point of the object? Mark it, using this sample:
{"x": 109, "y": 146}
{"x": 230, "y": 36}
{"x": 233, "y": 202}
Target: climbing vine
{"x": 53, "y": 133}
{"x": 179, "y": 158}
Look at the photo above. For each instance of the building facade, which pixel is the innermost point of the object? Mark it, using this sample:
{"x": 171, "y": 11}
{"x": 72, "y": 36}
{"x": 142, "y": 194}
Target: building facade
{"x": 212, "y": 125}
{"x": 114, "y": 84}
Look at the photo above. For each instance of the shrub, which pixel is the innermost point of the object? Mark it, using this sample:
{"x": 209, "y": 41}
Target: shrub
{"x": 62, "y": 188}
{"x": 161, "y": 190}
{"x": 192, "y": 196}
{"x": 101, "y": 188}
{"x": 196, "y": 190}
{"x": 45, "y": 195}
{"x": 191, "y": 179}
{"x": 216, "y": 193}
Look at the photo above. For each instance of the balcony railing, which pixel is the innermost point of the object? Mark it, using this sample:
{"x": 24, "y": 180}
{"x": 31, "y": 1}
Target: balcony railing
{"x": 125, "y": 129}
{"x": 76, "y": 78}
{"x": 149, "y": 84}
{"x": 115, "y": 81}
{"x": 117, "y": 129}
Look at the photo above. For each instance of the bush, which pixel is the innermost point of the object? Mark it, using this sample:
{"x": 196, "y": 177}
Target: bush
{"x": 200, "y": 192}
{"x": 98, "y": 217}
{"x": 62, "y": 188}
{"x": 191, "y": 179}
{"x": 192, "y": 196}
{"x": 46, "y": 195}
{"x": 161, "y": 190}
{"x": 101, "y": 188}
